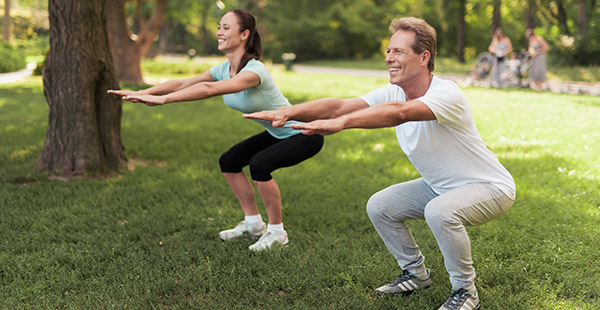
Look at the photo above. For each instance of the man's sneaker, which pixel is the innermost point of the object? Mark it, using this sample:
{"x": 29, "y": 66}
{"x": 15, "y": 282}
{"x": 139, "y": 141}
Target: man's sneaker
{"x": 268, "y": 239}
{"x": 461, "y": 300}
{"x": 405, "y": 284}
{"x": 242, "y": 228}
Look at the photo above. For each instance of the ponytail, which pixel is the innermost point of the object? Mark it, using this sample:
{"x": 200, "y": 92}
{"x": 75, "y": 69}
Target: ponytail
{"x": 253, "y": 50}
{"x": 254, "y": 45}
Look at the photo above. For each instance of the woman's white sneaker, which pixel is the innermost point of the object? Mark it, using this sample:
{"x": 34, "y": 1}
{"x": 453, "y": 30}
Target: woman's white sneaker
{"x": 269, "y": 238}
{"x": 242, "y": 228}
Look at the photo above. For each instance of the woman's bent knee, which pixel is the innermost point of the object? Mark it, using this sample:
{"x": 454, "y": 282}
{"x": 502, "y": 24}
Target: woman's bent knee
{"x": 228, "y": 163}
{"x": 260, "y": 171}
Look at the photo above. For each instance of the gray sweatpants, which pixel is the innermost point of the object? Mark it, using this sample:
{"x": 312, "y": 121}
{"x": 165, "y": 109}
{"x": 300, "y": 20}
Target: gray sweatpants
{"x": 446, "y": 215}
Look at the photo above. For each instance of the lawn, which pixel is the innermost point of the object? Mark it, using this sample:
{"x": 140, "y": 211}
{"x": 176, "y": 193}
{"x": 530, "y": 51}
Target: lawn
{"x": 147, "y": 237}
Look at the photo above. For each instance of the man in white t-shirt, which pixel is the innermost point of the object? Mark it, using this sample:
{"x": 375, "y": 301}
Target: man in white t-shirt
{"x": 462, "y": 182}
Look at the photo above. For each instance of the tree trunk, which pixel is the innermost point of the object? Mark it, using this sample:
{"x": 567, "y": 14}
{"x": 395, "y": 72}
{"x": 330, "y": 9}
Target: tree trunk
{"x": 165, "y": 33}
{"x": 6, "y": 21}
{"x": 128, "y": 52}
{"x": 561, "y": 16}
{"x": 125, "y": 53}
{"x": 530, "y": 14}
{"x": 581, "y": 17}
{"x": 460, "y": 40}
{"x": 84, "y": 123}
{"x": 497, "y": 15}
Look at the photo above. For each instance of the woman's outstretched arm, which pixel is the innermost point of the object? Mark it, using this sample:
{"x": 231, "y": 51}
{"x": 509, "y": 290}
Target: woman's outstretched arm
{"x": 197, "y": 91}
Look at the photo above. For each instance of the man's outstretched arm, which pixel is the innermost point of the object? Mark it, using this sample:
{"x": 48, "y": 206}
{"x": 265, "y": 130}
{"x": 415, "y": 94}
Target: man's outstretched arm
{"x": 325, "y": 108}
{"x": 388, "y": 114}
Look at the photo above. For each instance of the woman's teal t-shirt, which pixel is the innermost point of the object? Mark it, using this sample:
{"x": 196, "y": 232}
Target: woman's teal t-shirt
{"x": 265, "y": 96}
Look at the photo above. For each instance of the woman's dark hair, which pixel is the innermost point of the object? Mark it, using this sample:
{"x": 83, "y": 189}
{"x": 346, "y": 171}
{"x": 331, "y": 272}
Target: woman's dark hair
{"x": 253, "y": 46}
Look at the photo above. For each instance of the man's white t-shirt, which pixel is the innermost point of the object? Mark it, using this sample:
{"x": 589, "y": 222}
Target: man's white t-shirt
{"x": 448, "y": 152}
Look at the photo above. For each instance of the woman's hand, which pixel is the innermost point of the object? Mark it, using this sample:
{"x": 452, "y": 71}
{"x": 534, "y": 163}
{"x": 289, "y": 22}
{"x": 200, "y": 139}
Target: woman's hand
{"x": 123, "y": 93}
{"x": 321, "y": 127}
{"x": 277, "y": 118}
{"x": 149, "y": 100}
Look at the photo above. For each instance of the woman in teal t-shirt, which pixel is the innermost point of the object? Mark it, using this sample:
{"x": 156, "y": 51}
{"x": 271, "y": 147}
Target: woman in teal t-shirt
{"x": 246, "y": 86}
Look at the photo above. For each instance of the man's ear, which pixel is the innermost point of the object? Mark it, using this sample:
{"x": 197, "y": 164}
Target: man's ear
{"x": 425, "y": 56}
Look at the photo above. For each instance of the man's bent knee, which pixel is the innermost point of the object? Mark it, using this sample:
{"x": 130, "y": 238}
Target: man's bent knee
{"x": 375, "y": 206}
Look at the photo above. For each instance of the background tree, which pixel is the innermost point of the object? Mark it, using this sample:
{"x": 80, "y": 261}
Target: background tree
{"x": 326, "y": 29}
{"x": 460, "y": 40}
{"x": 582, "y": 17}
{"x": 6, "y": 21}
{"x": 497, "y": 15}
{"x": 192, "y": 28}
{"x": 128, "y": 48}
{"x": 84, "y": 122}
{"x": 530, "y": 14}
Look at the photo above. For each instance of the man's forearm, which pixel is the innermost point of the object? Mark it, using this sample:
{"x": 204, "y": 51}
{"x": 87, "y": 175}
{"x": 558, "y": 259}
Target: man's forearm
{"x": 379, "y": 116}
{"x": 316, "y": 109}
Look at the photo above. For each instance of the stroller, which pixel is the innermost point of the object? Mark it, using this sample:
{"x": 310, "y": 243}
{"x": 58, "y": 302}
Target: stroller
{"x": 516, "y": 68}
{"x": 512, "y": 73}
{"x": 483, "y": 66}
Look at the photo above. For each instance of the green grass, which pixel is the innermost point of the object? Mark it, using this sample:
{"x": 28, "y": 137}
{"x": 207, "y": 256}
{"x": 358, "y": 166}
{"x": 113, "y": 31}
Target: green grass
{"x": 147, "y": 237}
{"x": 447, "y": 65}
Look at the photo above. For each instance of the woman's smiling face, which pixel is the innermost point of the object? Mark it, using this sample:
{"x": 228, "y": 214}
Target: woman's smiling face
{"x": 229, "y": 36}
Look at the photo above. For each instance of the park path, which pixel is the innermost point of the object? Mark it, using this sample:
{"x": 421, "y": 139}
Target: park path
{"x": 17, "y": 75}
{"x": 463, "y": 80}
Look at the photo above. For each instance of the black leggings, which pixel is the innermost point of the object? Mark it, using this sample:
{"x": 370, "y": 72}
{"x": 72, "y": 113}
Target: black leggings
{"x": 265, "y": 153}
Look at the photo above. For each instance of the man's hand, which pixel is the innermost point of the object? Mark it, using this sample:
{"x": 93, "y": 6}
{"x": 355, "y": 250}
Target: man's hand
{"x": 321, "y": 127}
{"x": 277, "y": 118}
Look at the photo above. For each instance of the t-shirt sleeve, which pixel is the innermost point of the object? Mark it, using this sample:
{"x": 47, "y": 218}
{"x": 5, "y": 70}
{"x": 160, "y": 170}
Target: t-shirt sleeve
{"x": 447, "y": 102}
{"x": 384, "y": 94}
{"x": 217, "y": 71}
{"x": 258, "y": 68}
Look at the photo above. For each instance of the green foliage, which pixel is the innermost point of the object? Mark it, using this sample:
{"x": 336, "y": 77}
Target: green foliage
{"x": 192, "y": 28}
{"x": 147, "y": 238}
{"x": 325, "y": 29}
{"x": 166, "y": 67}
{"x": 34, "y": 47}
{"x": 29, "y": 19}
{"x": 581, "y": 49}
{"x": 11, "y": 57}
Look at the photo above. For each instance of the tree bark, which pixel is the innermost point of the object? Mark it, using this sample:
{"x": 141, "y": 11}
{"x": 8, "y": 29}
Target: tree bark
{"x": 581, "y": 17}
{"x": 561, "y": 17}
{"x": 84, "y": 123}
{"x": 497, "y": 15}
{"x": 530, "y": 14}
{"x": 127, "y": 49}
{"x": 6, "y": 21}
{"x": 460, "y": 40}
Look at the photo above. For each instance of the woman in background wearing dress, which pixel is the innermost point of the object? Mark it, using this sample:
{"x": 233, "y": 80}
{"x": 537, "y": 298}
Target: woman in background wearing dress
{"x": 500, "y": 48}
{"x": 537, "y": 50}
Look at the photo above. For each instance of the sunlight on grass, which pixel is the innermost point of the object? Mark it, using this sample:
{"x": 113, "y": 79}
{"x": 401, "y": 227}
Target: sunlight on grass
{"x": 20, "y": 154}
{"x": 148, "y": 236}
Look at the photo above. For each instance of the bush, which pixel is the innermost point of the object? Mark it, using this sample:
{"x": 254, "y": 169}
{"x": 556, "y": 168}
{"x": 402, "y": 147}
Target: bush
{"x": 39, "y": 67}
{"x": 169, "y": 67}
{"x": 34, "y": 47}
{"x": 11, "y": 58}
{"x": 580, "y": 49}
